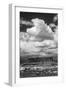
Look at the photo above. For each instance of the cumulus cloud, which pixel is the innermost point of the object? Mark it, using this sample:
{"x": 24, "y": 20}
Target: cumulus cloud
{"x": 55, "y": 18}
{"x": 38, "y": 48}
{"x": 40, "y": 29}
{"x": 27, "y": 23}
{"x": 24, "y": 36}
{"x": 38, "y": 40}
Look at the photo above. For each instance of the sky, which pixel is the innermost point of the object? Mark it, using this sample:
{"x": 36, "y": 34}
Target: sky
{"x": 36, "y": 36}
{"x": 27, "y": 16}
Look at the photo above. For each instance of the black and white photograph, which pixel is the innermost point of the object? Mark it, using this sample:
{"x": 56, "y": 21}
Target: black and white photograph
{"x": 35, "y": 45}
{"x": 38, "y": 44}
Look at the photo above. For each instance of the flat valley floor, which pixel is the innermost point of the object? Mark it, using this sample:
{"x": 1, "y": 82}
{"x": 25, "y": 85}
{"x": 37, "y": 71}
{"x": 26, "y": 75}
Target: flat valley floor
{"x": 38, "y": 66}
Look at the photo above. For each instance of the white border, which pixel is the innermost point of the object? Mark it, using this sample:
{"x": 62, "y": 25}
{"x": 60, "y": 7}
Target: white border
{"x": 12, "y": 43}
{"x": 15, "y": 60}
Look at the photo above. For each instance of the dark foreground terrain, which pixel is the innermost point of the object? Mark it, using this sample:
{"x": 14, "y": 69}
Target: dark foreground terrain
{"x": 38, "y": 66}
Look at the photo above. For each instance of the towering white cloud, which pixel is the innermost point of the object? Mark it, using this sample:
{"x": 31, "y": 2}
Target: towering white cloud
{"x": 39, "y": 40}
{"x": 40, "y": 29}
